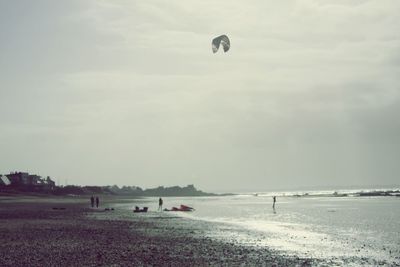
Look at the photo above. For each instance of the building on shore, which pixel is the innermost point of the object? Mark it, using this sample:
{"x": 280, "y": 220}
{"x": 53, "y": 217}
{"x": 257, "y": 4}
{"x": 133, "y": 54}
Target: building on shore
{"x": 24, "y": 179}
{"x": 4, "y": 180}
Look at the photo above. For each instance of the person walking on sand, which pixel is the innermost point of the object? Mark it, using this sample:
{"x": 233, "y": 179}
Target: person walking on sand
{"x": 273, "y": 200}
{"x": 160, "y": 203}
{"x": 97, "y": 202}
{"x": 92, "y": 201}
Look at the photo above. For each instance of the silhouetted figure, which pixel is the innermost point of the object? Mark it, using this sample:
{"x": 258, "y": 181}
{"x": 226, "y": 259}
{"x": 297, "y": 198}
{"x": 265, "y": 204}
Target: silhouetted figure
{"x": 92, "y": 201}
{"x": 97, "y": 202}
{"x": 274, "y": 200}
{"x": 160, "y": 203}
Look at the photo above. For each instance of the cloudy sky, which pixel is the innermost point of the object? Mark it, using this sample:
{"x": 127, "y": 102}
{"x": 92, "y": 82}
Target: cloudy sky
{"x": 129, "y": 92}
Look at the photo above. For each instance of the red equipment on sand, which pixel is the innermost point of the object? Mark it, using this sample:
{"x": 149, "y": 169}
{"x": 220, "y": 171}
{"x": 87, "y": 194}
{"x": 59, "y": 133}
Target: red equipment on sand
{"x": 181, "y": 208}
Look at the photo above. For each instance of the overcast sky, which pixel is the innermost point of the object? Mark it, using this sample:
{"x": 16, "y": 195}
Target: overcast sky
{"x": 130, "y": 93}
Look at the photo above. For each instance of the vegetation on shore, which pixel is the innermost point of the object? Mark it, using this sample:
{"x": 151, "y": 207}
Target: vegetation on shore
{"x": 133, "y": 191}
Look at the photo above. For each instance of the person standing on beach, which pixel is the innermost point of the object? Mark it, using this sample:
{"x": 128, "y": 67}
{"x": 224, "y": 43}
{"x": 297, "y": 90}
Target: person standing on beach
{"x": 274, "y": 200}
{"x": 92, "y": 201}
{"x": 97, "y": 202}
{"x": 160, "y": 203}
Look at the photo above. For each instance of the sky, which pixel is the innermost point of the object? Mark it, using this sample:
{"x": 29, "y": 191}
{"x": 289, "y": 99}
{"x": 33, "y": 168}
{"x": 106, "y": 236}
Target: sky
{"x": 129, "y": 92}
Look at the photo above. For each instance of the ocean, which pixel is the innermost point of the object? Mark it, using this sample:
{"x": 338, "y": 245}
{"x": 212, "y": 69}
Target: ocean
{"x": 345, "y": 229}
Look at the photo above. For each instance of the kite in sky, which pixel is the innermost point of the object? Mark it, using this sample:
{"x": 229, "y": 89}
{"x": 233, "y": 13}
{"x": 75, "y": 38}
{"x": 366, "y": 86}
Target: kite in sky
{"x": 221, "y": 40}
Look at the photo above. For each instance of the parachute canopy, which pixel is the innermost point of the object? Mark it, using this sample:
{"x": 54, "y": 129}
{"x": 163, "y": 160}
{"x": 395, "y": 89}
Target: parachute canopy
{"x": 221, "y": 40}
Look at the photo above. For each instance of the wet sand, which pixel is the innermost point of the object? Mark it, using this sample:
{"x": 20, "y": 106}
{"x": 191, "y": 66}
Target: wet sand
{"x": 33, "y": 233}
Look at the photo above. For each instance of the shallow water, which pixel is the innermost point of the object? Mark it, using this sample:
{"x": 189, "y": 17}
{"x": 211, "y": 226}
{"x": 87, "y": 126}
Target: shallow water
{"x": 360, "y": 230}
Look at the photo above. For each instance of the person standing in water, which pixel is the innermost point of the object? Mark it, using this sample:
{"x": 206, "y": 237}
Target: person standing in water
{"x": 97, "y": 202}
{"x": 274, "y": 200}
{"x": 160, "y": 203}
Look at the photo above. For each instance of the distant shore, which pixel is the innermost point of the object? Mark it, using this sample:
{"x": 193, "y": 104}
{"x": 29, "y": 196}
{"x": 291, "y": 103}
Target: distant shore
{"x": 16, "y": 187}
{"x": 66, "y": 232}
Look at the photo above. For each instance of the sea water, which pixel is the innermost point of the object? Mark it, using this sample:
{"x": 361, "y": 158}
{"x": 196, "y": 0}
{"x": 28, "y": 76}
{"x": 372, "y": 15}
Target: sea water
{"x": 360, "y": 229}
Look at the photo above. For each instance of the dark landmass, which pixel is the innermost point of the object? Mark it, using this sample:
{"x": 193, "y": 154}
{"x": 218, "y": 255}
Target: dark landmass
{"x": 132, "y": 191}
{"x": 32, "y": 233}
{"x": 23, "y": 182}
{"x": 379, "y": 193}
{"x": 161, "y": 191}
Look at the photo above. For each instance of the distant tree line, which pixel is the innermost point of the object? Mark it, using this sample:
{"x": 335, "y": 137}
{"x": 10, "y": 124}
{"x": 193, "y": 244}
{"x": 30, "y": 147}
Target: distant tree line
{"x": 161, "y": 191}
{"x": 23, "y": 182}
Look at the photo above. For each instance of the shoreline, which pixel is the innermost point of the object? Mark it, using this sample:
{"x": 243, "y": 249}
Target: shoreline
{"x": 35, "y": 234}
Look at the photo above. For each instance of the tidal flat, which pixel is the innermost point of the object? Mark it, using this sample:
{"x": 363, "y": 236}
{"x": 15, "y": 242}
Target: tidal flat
{"x": 50, "y": 231}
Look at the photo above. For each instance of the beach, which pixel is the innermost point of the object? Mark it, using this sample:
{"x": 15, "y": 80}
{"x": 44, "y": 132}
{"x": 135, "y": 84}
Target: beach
{"x": 350, "y": 230}
{"x": 48, "y": 231}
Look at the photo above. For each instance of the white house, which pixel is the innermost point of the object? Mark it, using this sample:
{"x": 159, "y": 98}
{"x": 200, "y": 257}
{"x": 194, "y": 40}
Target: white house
{"x": 4, "y": 180}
